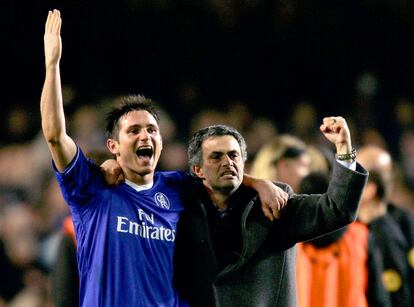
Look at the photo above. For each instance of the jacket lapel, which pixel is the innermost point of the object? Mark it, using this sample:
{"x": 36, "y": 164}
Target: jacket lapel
{"x": 254, "y": 233}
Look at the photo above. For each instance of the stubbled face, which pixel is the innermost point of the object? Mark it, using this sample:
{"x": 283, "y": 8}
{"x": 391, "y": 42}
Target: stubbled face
{"x": 222, "y": 167}
{"x": 138, "y": 147}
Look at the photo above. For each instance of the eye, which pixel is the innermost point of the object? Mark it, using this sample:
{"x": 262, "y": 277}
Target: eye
{"x": 152, "y": 130}
{"x": 215, "y": 156}
{"x": 133, "y": 131}
{"x": 233, "y": 155}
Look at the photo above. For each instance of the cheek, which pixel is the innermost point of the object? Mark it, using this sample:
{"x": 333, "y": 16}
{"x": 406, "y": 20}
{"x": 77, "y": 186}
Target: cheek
{"x": 158, "y": 150}
{"x": 240, "y": 165}
{"x": 209, "y": 171}
{"x": 304, "y": 171}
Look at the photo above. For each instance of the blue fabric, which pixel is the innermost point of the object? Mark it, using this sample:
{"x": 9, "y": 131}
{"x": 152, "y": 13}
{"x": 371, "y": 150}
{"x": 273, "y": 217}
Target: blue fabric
{"x": 125, "y": 237}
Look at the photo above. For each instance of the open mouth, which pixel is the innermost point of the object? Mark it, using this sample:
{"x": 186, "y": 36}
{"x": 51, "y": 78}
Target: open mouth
{"x": 145, "y": 152}
{"x": 228, "y": 173}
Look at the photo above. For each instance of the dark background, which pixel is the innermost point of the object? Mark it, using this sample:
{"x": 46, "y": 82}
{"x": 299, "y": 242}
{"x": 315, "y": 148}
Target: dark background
{"x": 267, "y": 54}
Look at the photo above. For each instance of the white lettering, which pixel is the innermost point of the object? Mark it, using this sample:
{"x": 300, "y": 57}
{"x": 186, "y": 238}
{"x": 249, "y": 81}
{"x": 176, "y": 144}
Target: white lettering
{"x": 162, "y": 233}
{"x": 142, "y": 230}
{"x": 120, "y": 223}
{"x": 142, "y": 215}
{"x": 155, "y": 234}
{"x": 167, "y": 234}
{"x": 134, "y": 228}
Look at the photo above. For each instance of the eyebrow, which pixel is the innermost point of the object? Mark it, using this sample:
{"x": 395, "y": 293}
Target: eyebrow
{"x": 223, "y": 152}
{"x": 142, "y": 126}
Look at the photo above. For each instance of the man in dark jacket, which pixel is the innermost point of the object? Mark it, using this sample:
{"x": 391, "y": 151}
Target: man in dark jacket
{"x": 227, "y": 252}
{"x": 391, "y": 226}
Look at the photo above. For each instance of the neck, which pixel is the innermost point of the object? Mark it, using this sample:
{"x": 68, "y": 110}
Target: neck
{"x": 371, "y": 210}
{"x": 219, "y": 198}
{"x": 140, "y": 179}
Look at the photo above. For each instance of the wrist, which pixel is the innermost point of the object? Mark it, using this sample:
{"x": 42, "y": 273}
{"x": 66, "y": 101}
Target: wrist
{"x": 343, "y": 148}
{"x": 252, "y": 182}
{"x": 247, "y": 180}
{"x": 349, "y": 156}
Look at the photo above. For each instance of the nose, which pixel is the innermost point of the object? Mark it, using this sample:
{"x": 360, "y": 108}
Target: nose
{"x": 143, "y": 134}
{"x": 227, "y": 161}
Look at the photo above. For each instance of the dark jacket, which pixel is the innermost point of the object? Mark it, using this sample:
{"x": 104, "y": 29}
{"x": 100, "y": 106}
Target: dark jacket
{"x": 264, "y": 274}
{"x": 394, "y": 249}
{"x": 405, "y": 219}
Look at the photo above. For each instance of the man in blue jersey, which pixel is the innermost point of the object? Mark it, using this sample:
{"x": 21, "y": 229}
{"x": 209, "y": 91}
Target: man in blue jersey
{"x": 125, "y": 233}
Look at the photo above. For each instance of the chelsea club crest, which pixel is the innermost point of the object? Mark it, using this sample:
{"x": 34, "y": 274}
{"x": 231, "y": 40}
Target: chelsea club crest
{"x": 161, "y": 200}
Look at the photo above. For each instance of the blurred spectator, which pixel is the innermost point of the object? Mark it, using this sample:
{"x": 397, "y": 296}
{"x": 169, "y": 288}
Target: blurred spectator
{"x": 407, "y": 154}
{"x": 393, "y": 242}
{"x": 64, "y": 275}
{"x": 283, "y": 158}
{"x": 320, "y": 161}
{"x": 174, "y": 157}
{"x": 238, "y": 115}
{"x": 19, "y": 125}
{"x": 371, "y": 136}
{"x": 206, "y": 118}
{"x": 341, "y": 269}
{"x": 304, "y": 123}
{"x": 258, "y": 133}
{"x": 87, "y": 128}
{"x": 402, "y": 194}
{"x": 23, "y": 278}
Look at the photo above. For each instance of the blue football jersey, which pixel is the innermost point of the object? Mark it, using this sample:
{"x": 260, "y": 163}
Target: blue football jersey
{"x": 125, "y": 238}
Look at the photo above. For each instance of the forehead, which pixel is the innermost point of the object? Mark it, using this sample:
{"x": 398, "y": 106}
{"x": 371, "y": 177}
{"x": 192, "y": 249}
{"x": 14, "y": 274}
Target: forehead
{"x": 224, "y": 143}
{"x": 303, "y": 159}
{"x": 137, "y": 118}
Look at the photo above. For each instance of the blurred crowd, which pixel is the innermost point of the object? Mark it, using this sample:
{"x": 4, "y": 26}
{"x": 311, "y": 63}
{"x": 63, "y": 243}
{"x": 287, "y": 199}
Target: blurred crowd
{"x": 32, "y": 210}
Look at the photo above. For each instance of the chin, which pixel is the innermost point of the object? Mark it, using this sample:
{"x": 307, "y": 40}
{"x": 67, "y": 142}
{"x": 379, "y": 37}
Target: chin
{"x": 230, "y": 186}
{"x": 145, "y": 170}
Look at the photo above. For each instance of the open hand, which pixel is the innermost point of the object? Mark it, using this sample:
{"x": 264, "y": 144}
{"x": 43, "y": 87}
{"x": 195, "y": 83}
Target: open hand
{"x": 52, "y": 39}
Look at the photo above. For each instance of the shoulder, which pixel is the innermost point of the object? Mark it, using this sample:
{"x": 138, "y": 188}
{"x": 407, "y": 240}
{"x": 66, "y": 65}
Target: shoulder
{"x": 386, "y": 229}
{"x": 79, "y": 166}
{"x": 401, "y": 214}
{"x": 284, "y": 186}
{"x": 173, "y": 175}
{"x": 177, "y": 178}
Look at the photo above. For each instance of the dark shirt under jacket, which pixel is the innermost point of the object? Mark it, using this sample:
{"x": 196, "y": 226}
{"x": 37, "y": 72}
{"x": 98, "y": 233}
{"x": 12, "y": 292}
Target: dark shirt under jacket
{"x": 226, "y": 227}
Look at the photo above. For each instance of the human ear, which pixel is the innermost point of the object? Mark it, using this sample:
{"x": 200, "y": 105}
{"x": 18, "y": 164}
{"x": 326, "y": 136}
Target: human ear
{"x": 112, "y": 146}
{"x": 370, "y": 190}
{"x": 198, "y": 171}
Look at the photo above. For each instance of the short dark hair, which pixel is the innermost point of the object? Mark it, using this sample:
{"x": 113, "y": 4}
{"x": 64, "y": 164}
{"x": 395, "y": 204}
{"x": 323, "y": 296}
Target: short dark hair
{"x": 291, "y": 152}
{"x": 195, "y": 156}
{"x": 379, "y": 180}
{"x": 314, "y": 183}
{"x": 128, "y": 104}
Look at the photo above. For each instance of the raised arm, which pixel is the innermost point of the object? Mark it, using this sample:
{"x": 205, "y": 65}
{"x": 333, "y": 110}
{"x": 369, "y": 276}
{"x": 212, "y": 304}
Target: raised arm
{"x": 61, "y": 146}
{"x": 308, "y": 216}
{"x": 336, "y": 130}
